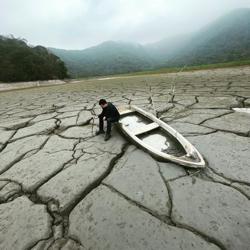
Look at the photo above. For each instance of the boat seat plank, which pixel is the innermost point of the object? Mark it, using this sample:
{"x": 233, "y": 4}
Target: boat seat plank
{"x": 125, "y": 112}
{"x": 146, "y": 128}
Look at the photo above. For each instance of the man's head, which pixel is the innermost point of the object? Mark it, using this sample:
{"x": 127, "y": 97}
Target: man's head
{"x": 103, "y": 103}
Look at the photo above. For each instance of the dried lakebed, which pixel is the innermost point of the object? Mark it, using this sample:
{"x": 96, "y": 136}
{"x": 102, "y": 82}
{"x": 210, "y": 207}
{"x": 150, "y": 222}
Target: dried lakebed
{"x": 61, "y": 187}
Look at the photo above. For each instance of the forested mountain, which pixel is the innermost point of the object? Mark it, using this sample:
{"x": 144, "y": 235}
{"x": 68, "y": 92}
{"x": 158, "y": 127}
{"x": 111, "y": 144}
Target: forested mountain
{"x": 167, "y": 48}
{"x": 107, "y": 58}
{"x": 227, "y": 39}
{"x": 20, "y": 62}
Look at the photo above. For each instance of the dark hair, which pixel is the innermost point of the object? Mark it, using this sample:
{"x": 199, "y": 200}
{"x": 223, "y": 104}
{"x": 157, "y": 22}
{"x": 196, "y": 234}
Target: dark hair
{"x": 102, "y": 102}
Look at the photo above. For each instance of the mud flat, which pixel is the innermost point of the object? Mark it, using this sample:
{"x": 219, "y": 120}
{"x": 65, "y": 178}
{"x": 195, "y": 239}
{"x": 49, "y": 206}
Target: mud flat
{"x": 61, "y": 187}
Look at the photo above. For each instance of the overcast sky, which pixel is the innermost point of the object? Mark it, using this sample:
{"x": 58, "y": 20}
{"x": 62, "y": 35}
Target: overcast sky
{"x": 78, "y": 24}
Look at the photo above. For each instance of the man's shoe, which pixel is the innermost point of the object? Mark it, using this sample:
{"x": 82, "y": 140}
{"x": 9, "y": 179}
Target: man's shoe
{"x": 107, "y": 137}
{"x": 99, "y": 132}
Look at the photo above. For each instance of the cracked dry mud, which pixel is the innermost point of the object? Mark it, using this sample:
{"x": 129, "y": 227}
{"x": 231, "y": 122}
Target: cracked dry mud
{"x": 61, "y": 187}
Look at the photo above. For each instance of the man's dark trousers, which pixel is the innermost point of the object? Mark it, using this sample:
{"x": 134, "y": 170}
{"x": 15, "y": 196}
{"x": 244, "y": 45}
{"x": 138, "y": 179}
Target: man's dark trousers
{"x": 110, "y": 120}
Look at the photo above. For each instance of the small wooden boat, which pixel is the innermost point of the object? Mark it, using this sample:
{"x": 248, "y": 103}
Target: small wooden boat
{"x": 158, "y": 138}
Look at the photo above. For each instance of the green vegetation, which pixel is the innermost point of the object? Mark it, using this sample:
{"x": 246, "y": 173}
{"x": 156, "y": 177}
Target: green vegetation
{"x": 181, "y": 69}
{"x": 20, "y": 62}
{"x": 191, "y": 68}
{"x": 105, "y": 59}
{"x": 225, "y": 40}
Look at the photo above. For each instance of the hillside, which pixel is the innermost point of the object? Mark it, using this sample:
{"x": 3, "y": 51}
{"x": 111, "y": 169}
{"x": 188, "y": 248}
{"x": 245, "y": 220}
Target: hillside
{"x": 107, "y": 58}
{"x": 167, "y": 48}
{"x": 227, "y": 39}
{"x": 20, "y": 62}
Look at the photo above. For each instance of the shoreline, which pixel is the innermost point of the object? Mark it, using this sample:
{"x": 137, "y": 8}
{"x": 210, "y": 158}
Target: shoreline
{"x": 31, "y": 84}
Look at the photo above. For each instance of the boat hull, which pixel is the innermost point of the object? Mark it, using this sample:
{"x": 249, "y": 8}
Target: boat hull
{"x": 158, "y": 138}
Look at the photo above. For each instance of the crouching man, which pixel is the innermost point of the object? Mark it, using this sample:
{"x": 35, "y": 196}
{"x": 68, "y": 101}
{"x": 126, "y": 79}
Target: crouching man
{"x": 111, "y": 115}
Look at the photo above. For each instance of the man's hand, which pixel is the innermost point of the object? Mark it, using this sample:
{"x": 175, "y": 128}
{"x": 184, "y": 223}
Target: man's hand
{"x": 100, "y": 116}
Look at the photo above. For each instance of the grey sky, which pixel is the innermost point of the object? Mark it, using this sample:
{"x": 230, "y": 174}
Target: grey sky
{"x": 77, "y": 24}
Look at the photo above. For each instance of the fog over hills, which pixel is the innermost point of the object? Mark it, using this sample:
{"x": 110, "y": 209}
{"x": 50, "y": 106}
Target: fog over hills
{"x": 226, "y": 39}
{"x": 107, "y": 58}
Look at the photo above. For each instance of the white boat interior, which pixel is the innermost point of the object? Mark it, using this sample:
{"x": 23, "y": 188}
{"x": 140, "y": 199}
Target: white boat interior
{"x": 158, "y": 137}
{"x": 151, "y": 134}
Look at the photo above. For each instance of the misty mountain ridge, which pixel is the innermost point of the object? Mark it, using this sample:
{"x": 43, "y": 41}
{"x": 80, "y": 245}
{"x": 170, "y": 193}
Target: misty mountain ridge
{"x": 226, "y": 39}
{"x": 107, "y": 58}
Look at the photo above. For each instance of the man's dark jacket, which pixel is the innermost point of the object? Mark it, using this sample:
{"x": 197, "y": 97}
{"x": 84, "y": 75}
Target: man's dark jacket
{"x": 110, "y": 112}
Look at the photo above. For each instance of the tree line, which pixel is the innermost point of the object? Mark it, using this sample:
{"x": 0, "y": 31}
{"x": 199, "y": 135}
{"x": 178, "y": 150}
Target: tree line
{"x": 21, "y": 62}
